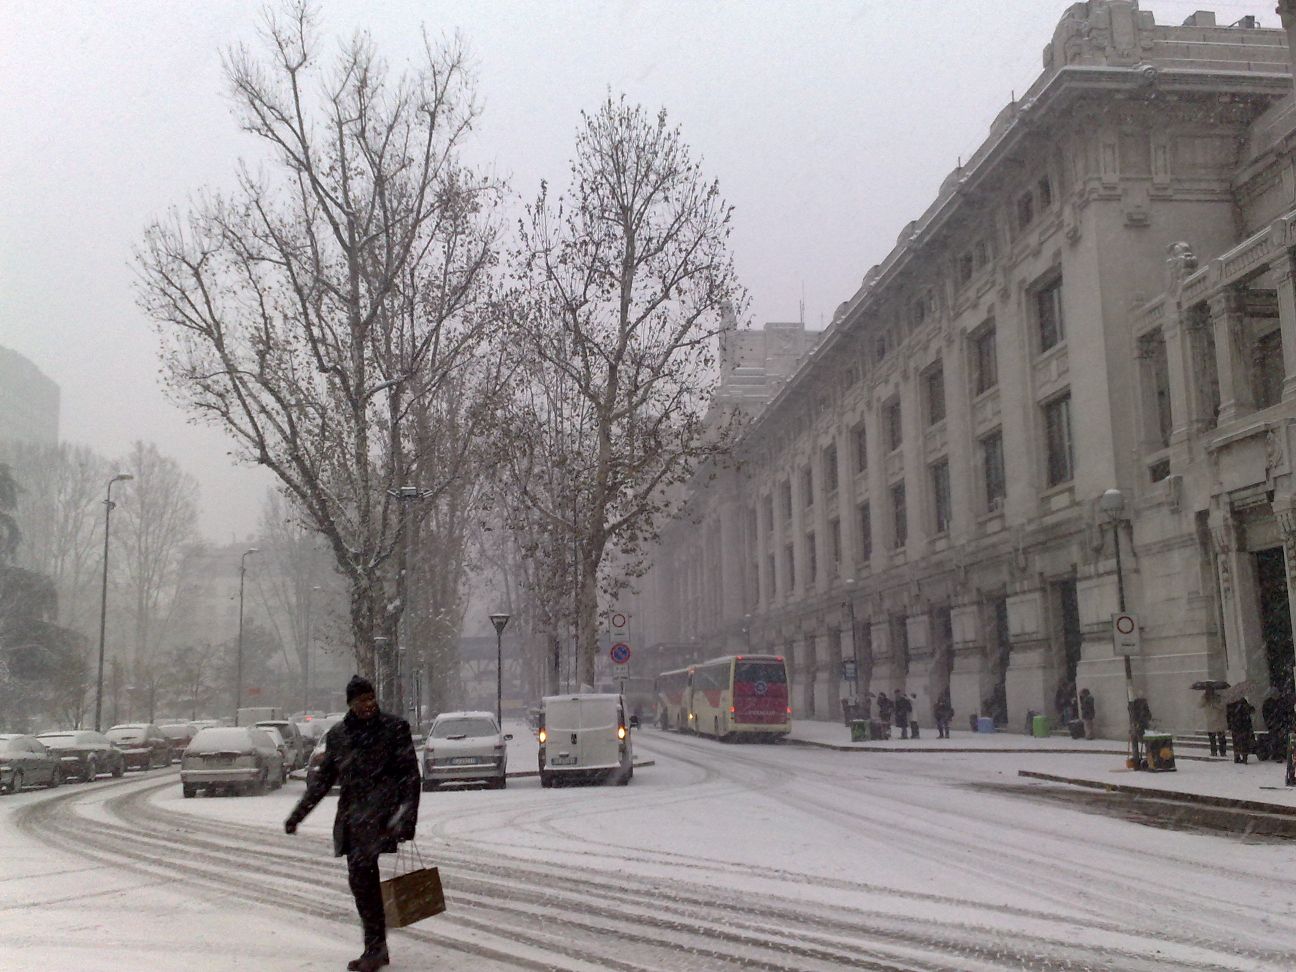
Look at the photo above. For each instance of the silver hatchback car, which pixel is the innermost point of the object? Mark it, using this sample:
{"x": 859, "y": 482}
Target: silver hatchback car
{"x": 465, "y": 747}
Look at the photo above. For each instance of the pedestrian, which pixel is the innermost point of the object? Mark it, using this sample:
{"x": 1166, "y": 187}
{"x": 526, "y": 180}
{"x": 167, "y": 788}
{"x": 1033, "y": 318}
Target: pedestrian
{"x": 884, "y": 708}
{"x": 903, "y": 709}
{"x": 1087, "y": 712}
{"x": 1238, "y": 717}
{"x": 371, "y": 755}
{"x": 943, "y": 713}
{"x": 1212, "y": 707}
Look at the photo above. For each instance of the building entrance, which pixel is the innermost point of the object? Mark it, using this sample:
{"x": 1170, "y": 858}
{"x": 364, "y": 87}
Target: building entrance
{"x": 1275, "y": 615}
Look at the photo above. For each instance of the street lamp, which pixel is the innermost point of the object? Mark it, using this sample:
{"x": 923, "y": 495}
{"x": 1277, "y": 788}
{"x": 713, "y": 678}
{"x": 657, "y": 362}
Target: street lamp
{"x": 501, "y": 622}
{"x": 238, "y": 665}
{"x": 103, "y": 600}
{"x": 1112, "y": 504}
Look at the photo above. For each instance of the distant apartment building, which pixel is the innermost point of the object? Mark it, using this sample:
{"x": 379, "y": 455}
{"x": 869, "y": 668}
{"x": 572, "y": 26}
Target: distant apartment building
{"x": 29, "y": 402}
{"x": 1102, "y": 297}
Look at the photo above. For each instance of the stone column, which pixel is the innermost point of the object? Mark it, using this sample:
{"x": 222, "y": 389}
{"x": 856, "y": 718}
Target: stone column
{"x": 1284, "y": 270}
{"x": 968, "y": 673}
{"x": 1227, "y": 311}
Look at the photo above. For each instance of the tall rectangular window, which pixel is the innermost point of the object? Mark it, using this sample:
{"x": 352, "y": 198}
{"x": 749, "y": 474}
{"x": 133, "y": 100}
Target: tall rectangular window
{"x": 894, "y": 430}
{"x": 940, "y": 487}
{"x": 992, "y": 465}
{"x": 861, "y": 448}
{"x": 865, "y": 533}
{"x": 807, "y": 486}
{"x": 985, "y": 361}
{"x": 834, "y": 545}
{"x": 787, "y": 500}
{"x": 830, "y": 468}
{"x": 1048, "y": 315}
{"x": 789, "y": 563}
{"x": 1154, "y": 375}
{"x": 769, "y": 514}
{"x": 1267, "y": 369}
{"x": 1059, "y": 453}
{"x": 934, "y": 393}
{"x": 812, "y": 560}
{"x": 769, "y": 576}
{"x": 899, "y": 517}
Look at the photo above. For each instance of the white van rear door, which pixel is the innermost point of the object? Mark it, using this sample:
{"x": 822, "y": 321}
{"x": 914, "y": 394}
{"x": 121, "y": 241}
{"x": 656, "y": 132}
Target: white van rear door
{"x": 600, "y": 720}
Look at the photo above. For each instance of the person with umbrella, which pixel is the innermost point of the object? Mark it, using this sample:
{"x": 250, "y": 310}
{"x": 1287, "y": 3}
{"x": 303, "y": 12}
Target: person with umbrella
{"x": 1212, "y": 707}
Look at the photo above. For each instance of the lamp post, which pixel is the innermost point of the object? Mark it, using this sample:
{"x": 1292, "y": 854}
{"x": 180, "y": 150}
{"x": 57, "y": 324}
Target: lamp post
{"x": 501, "y": 622}
{"x": 103, "y": 599}
{"x": 1112, "y": 504}
{"x": 238, "y": 662}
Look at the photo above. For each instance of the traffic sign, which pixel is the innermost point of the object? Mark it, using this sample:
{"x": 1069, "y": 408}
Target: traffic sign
{"x": 848, "y": 670}
{"x": 620, "y": 653}
{"x": 1125, "y": 634}
{"x": 618, "y": 620}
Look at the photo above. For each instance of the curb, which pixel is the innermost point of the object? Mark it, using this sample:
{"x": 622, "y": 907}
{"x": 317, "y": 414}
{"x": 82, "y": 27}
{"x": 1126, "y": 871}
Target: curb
{"x": 523, "y": 774}
{"x": 1172, "y": 796}
{"x": 1020, "y": 751}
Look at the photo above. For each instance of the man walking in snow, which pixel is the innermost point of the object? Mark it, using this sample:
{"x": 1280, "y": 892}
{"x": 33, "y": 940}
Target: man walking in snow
{"x": 371, "y": 755}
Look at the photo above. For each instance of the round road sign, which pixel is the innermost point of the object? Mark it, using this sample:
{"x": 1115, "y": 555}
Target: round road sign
{"x": 1124, "y": 624}
{"x": 620, "y": 653}
{"x": 618, "y": 620}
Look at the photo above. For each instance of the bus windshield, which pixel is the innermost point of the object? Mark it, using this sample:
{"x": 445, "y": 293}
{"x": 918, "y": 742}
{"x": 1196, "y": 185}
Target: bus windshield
{"x": 769, "y": 672}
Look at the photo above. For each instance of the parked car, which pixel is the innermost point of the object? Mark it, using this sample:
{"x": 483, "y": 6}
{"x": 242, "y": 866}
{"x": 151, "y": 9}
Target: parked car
{"x": 142, "y": 743}
{"x": 180, "y": 734}
{"x": 585, "y": 736}
{"x": 465, "y": 747}
{"x": 84, "y": 753}
{"x": 233, "y": 759}
{"x": 279, "y": 774}
{"x": 313, "y": 764}
{"x": 25, "y": 760}
{"x": 298, "y": 748}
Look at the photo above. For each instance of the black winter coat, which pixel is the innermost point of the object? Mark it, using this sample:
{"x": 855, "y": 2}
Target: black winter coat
{"x": 903, "y": 710}
{"x": 374, "y": 762}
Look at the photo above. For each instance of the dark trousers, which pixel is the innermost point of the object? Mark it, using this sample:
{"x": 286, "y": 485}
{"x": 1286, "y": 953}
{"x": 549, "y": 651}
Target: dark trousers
{"x": 362, "y": 872}
{"x": 1241, "y": 745}
{"x": 1218, "y": 743}
{"x": 942, "y": 728}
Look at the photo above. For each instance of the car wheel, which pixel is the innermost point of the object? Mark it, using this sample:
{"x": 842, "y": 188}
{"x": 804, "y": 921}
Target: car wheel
{"x": 91, "y": 771}
{"x": 119, "y": 770}
{"x": 546, "y": 780}
{"x": 259, "y": 787}
{"x": 56, "y": 777}
{"x": 430, "y": 785}
{"x": 625, "y": 776}
{"x": 16, "y": 781}
{"x": 190, "y": 791}
{"x": 499, "y": 783}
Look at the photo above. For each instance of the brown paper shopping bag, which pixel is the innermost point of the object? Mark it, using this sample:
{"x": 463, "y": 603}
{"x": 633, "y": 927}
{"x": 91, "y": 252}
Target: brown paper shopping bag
{"x": 414, "y": 893}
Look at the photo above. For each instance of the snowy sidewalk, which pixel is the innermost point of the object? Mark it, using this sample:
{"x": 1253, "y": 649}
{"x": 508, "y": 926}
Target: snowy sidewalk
{"x": 834, "y": 735}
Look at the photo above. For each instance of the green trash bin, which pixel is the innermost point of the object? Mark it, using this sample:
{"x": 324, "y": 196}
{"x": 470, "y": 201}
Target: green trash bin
{"x": 1158, "y": 751}
{"x": 859, "y": 730}
{"x": 1041, "y": 726}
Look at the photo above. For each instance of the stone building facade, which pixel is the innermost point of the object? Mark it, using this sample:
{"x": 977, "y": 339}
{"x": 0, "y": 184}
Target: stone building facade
{"x": 1102, "y": 297}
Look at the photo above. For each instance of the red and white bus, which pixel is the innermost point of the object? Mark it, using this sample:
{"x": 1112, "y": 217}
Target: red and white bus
{"x": 734, "y": 697}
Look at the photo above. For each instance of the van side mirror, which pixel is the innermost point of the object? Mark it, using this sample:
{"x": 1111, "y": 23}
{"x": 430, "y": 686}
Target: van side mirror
{"x": 508, "y": 736}
{"x": 634, "y": 722}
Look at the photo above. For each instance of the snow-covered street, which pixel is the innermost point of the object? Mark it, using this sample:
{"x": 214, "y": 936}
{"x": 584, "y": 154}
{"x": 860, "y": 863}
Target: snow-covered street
{"x": 716, "y": 857}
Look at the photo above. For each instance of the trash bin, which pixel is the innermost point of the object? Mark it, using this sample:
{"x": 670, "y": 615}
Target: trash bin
{"x": 1158, "y": 749}
{"x": 1076, "y": 727}
{"x": 985, "y": 724}
{"x": 1041, "y": 726}
{"x": 859, "y": 730}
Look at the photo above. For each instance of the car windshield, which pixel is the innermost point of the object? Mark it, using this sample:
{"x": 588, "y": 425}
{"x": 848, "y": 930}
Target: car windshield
{"x": 130, "y": 734}
{"x": 61, "y": 740}
{"x": 175, "y": 732}
{"x": 471, "y": 726}
{"x": 224, "y": 739}
{"x": 11, "y": 746}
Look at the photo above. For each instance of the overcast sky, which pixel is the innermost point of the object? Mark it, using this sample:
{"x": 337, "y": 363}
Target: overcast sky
{"x": 828, "y": 124}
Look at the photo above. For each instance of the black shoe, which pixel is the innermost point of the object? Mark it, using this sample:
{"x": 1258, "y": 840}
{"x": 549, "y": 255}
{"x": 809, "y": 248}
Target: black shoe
{"x": 369, "y": 962}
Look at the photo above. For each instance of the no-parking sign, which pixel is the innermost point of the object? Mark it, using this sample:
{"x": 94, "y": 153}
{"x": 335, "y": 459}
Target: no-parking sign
{"x": 620, "y": 653}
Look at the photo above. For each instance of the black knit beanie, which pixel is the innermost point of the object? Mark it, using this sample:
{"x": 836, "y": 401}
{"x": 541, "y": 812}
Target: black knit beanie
{"x": 358, "y": 686}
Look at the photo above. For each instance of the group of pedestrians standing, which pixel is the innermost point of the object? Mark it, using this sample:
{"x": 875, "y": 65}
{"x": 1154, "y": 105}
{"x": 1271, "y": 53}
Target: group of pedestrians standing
{"x": 899, "y": 712}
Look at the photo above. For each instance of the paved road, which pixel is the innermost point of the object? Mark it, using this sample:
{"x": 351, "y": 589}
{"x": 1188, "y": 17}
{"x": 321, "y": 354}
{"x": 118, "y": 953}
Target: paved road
{"x": 726, "y": 857}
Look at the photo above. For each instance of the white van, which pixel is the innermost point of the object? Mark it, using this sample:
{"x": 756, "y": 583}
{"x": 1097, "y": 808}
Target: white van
{"x": 584, "y": 736}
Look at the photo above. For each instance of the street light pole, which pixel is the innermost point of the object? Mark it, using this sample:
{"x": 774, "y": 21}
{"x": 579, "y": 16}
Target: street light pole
{"x": 238, "y": 663}
{"x": 501, "y": 622}
{"x": 1113, "y": 504}
{"x": 103, "y": 600}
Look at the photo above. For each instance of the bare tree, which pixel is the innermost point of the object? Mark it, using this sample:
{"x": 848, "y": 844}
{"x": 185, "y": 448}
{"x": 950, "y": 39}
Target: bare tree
{"x": 309, "y": 312}
{"x": 60, "y": 506}
{"x": 628, "y": 283}
{"x": 155, "y": 525}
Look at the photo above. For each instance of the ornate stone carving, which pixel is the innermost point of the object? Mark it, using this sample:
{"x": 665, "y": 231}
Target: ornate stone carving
{"x": 1181, "y": 263}
{"x": 1221, "y": 530}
